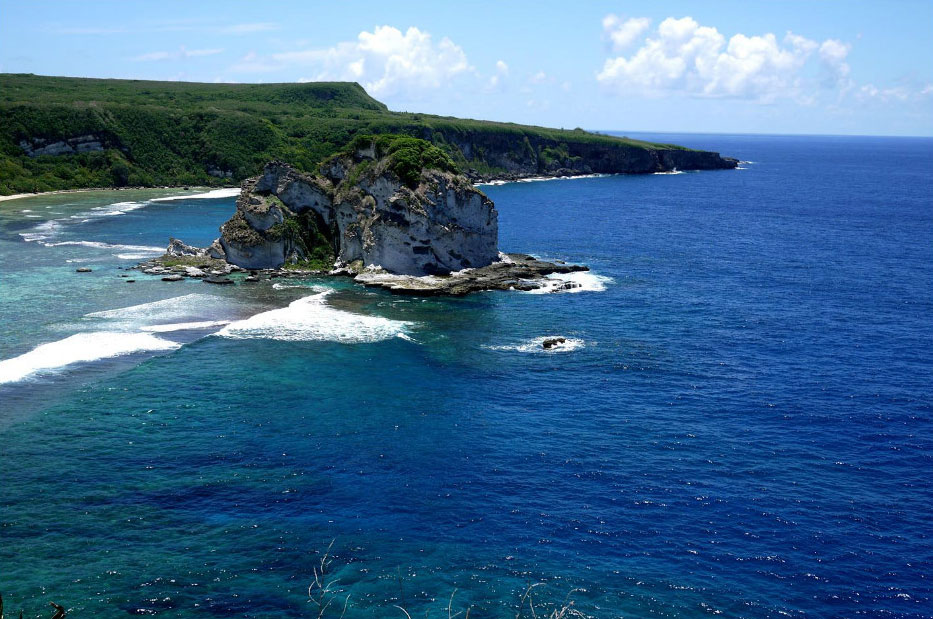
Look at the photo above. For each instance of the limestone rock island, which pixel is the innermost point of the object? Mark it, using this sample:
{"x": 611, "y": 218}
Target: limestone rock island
{"x": 391, "y": 211}
{"x": 398, "y": 203}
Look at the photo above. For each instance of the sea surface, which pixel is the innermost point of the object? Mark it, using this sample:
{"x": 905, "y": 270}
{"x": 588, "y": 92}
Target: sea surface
{"x": 740, "y": 422}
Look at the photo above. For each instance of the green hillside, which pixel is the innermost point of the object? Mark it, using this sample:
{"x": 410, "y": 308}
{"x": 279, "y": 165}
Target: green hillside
{"x": 144, "y": 133}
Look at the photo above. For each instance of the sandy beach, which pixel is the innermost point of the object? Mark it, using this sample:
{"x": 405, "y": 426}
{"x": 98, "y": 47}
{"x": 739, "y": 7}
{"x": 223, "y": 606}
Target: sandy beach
{"x": 17, "y": 196}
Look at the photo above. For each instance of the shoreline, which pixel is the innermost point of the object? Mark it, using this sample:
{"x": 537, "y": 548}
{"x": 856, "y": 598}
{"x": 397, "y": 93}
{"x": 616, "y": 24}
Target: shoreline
{"x": 17, "y": 196}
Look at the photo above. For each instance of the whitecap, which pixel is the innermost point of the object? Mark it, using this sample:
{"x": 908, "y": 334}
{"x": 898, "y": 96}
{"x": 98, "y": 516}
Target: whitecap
{"x": 315, "y": 288}
{"x": 41, "y": 232}
{"x": 174, "y": 309}
{"x": 584, "y": 281}
{"x": 226, "y": 192}
{"x": 150, "y": 249}
{"x": 538, "y": 179}
{"x": 185, "y": 326}
{"x": 136, "y": 256}
{"x": 117, "y": 208}
{"x": 536, "y": 345}
{"x": 669, "y": 173}
{"x": 81, "y": 347}
{"x": 311, "y": 319}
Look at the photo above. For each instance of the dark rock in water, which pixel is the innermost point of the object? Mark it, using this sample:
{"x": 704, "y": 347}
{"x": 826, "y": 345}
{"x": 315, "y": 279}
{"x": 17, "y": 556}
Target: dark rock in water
{"x": 124, "y": 275}
{"x": 552, "y": 342}
{"x": 172, "y": 278}
{"x": 130, "y": 281}
{"x": 217, "y": 280}
{"x": 252, "y": 278}
{"x": 567, "y": 286}
{"x": 82, "y": 270}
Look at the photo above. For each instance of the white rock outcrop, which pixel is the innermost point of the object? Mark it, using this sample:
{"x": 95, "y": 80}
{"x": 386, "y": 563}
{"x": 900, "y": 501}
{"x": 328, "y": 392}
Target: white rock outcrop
{"x": 367, "y": 214}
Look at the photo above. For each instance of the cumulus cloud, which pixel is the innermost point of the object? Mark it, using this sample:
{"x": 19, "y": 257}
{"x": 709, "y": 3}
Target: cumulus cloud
{"x": 687, "y": 57}
{"x": 385, "y": 61}
{"x": 180, "y": 54}
{"x": 622, "y": 33}
{"x": 833, "y": 55}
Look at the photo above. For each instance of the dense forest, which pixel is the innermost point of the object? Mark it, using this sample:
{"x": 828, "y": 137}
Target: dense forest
{"x": 62, "y": 132}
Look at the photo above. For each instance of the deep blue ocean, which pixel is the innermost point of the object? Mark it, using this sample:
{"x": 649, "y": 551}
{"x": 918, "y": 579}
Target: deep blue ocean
{"x": 741, "y": 422}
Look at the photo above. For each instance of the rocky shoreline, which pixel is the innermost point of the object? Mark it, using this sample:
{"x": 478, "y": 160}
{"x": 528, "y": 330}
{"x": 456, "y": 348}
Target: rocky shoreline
{"x": 510, "y": 272}
{"x": 392, "y": 212}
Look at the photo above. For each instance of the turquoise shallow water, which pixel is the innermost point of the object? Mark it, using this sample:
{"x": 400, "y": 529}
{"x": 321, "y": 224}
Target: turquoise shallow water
{"x": 742, "y": 423}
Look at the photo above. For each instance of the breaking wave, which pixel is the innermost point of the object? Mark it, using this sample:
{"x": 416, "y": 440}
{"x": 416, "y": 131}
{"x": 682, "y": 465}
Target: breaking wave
{"x": 581, "y": 281}
{"x": 226, "y": 192}
{"x": 311, "y": 319}
{"x": 185, "y": 326}
{"x": 79, "y": 348}
{"x": 536, "y": 345}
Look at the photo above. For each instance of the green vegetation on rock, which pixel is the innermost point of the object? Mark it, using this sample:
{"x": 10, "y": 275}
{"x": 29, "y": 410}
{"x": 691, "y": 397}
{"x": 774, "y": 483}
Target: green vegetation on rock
{"x": 110, "y": 133}
{"x": 404, "y": 155}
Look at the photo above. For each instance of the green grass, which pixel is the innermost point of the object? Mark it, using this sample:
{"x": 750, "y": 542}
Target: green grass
{"x": 174, "y": 133}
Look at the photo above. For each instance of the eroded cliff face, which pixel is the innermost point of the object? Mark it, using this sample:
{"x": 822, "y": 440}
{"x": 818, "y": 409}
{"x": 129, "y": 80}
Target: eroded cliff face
{"x": 360, "y": 213}
{"x": 522, "y": 156}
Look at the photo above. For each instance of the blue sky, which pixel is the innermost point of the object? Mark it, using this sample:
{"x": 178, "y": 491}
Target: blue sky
{"x": 744, "y": 67}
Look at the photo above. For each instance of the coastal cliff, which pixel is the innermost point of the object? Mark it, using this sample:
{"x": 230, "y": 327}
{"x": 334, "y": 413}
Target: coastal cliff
{"x": 507, "y": 155}
{"x": 67, "y": 133}
{"x": 391, "y": 201}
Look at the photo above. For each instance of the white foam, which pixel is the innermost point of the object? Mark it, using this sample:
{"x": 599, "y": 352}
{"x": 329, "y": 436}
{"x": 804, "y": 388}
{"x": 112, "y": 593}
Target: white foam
{"x": 174, "y": 309}
{"x": 149, "y": 249}
{"x": 117, "y": 208}
{"x": 669, "y": 173}
{"x": 315, "y": 288}
{"x": 43, "y": 231}
{"x": 538, "y": 179}
{"x": 586, "y": 281}
{"x": 81, "y": 347}
{"x": 226, "y": 192}
{"x": 536, "y": 345}
{"x": 185, "y": 326}
{"x": 311, "y": 319}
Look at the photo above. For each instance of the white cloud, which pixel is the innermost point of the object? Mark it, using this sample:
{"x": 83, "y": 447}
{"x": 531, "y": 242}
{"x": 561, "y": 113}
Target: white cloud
{"x": 870, "y": 92}
{"x": 623, "y": 33}
{"x": 833, "y": 57}
{"x": 538, "y": 78}
{"x": 686, "y": 57}
{"x": 385, "y": 61}
{"x": 180, "y": 54}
